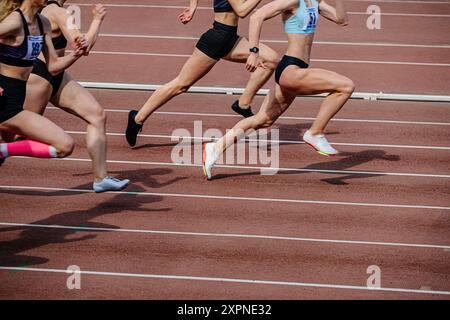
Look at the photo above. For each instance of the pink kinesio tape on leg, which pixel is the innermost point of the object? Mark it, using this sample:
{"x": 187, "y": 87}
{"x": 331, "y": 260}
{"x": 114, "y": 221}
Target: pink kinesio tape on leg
{"x": 27, "y": 148}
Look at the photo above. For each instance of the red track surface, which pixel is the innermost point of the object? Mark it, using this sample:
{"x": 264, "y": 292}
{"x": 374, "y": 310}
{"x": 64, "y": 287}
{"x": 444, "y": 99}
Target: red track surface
{"x": 333, "y": 242}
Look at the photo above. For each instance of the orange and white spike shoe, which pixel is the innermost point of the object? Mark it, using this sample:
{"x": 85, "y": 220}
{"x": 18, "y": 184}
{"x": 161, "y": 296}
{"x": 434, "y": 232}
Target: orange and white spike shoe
{"x": 320, "y": 144}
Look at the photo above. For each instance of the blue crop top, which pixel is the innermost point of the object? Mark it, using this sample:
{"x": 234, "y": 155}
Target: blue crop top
{"x": 304, "y": 20}
{"x": 24, "y": 54}
{"x": 222, "y": 6}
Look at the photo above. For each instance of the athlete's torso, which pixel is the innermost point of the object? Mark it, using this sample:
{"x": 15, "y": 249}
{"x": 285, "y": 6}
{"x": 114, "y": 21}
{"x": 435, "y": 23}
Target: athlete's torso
{"x": 300, "y": 26}
{"x": 17, "y": 59}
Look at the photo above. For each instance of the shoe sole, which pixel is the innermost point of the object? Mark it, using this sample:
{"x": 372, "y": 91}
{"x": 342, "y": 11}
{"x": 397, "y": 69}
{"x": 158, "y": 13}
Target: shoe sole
{"x": 320, "y": 152}
{"x": 204, "y": 161}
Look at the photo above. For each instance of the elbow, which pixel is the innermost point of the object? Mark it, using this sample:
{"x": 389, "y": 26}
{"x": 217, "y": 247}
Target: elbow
{"x": 242, "y": 14}
{"x": 257, "y": 17}
{"x": 54, "y": 71}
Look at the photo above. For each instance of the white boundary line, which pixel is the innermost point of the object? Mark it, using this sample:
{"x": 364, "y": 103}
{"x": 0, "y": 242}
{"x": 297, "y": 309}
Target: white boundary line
{"x": 232, "y": 198}
{"x": 229, "y": 280}
{"x": 316, "y": 42}
{"x": 190, "y": 138}
{"x": 229, "y": 235}
{"x": 235, "y": 91}
{"x": 226, "y": 115}
{"x": 174, "y": 55}
{"x": 150, "y": 6}
{"x": 237, "y": 167}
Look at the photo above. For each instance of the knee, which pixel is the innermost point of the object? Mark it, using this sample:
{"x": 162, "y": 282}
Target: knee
{"x": 65, "y": 147}
{"x": 179, "y": 86}
{"x": 272, "y": 59}
{"x": 347, "y": 87}
{"x": 263, "y": 121}
{"x": 98, "y": 117}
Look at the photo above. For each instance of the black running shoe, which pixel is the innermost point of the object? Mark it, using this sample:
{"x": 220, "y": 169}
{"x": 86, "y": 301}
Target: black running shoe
{"x": 2, "y": 160}
{"x": 133, "y": 128}
{"x": 246, "y": 113}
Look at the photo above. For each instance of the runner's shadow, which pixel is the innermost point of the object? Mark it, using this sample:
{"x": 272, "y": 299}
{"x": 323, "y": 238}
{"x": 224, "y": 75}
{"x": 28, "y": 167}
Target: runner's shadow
{"x": 31, "y": 238}
{"x": 154, "y": 145}
{"x": 347, "y": 162}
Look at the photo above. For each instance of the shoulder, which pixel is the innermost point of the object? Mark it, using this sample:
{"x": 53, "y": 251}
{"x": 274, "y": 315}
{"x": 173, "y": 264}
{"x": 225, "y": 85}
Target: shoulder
{"x": 46, "y": 23}
{"x": 13, "y": 20}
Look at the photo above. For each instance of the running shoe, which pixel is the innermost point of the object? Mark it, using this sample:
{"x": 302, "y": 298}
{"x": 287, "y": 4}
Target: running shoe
{"x": 133, "y": 128}
{"x": 320, "y": 144}
{"x": 2, "y": 160}
{"x": 246, "y": 113}
{"x": 209, "y": 159}
{"x": 110, "y": 184}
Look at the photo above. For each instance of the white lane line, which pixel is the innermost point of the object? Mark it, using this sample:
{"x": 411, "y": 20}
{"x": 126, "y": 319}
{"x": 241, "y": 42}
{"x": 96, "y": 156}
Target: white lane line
{"x": 170, "y": 55}
{"x": 232, "y": 198}
{"x": 371, "y": 96}
{"x": 237, "y": 167}
{"x": 173, "y": 137}
{"x": 226, "y": 115}
{"x": 150, "y": 6}
{"x": 316, "y": 42}
{"x": 229, "y": 235}
{"x": 230, "y": 280}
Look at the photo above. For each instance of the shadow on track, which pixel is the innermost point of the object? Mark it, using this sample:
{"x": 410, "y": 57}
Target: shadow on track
{"x": 31, "y": 238}
{"x": 348, "y": 161}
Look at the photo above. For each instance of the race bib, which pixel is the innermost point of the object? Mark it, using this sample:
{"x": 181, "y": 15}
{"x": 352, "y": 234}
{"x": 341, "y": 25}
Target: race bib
{"x": 35, "y": 44}
{"x": 311, "y": 17}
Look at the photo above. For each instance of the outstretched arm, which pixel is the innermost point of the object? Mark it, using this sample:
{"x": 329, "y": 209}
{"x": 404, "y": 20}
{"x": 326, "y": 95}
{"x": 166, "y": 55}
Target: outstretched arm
{"x": 336, "y": 14}
{"x": 188, "y": 14}
{"x": 266, "y": 12}
{"x": 71, "y": 32}
{"x": 243, "y": 7}
{"x": 57, "y": 64}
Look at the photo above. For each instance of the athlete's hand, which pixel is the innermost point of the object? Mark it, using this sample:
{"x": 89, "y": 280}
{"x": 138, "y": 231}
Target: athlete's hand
{"x": 99, "y": 11}
{"x": 253, "y": 62}
{"x": 186, "y": 16}
{"x": 1, "y": 91}
{"x": 81, "y": 45}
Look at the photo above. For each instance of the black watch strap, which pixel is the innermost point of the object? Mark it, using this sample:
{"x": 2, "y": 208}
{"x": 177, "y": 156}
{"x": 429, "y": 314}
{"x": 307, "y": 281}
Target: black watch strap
{"x": 254, "y": 50}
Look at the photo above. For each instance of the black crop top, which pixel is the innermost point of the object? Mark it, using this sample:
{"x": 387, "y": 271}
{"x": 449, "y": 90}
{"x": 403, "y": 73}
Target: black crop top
{"x": 59, "y": 42}
{"x": 222, "y": 6}
{"x": 24, "y": 54}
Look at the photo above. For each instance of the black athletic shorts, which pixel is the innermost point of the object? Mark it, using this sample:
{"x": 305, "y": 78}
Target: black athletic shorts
{"x": 40, "y": 69}
{"x": 286, "y": 62}
{"x": 13, "y": 98}
{"x": 218, "y": 42}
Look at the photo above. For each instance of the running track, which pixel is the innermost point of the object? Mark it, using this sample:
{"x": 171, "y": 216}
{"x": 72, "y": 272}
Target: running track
{"x": 309, "y": 232}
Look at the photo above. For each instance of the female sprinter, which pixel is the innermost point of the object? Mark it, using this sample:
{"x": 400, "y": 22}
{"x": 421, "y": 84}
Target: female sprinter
{"x": 220, "y": 42}
{"x": 65, "y": 93}
{"x": 23, "y": 35}
{"x": 293, "y": 75}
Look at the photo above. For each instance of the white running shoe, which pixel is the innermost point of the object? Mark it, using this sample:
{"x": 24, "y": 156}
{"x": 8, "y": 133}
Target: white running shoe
{"x": 209, "y": 159}
{"x": 320, "y": 144}
{"x": 110, "y": 184}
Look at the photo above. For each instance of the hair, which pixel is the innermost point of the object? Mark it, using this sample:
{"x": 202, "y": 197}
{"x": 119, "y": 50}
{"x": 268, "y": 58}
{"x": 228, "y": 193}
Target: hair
{"x": 8, "y": 6}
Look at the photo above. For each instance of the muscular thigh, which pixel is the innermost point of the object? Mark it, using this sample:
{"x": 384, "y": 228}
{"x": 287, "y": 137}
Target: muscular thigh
{"x": 38, "y": 95}
{"x": 311, "y": 81}
{"x": 197, "y": 66}
{"x": 35, "y": 127}
{"x": 75, "y": 99}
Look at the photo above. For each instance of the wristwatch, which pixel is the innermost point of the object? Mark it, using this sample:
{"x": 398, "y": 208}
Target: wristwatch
{"x": 254, "y": 50}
